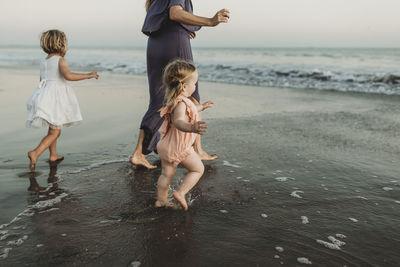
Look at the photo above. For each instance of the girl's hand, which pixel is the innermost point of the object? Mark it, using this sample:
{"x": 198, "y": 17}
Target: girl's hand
{"x": 94, "y": 75}
{"x": 192, "y": 35}
{"x": 207, "y": 104}
{"x": 221, "y": 16}
{"x": 199, "y": 127}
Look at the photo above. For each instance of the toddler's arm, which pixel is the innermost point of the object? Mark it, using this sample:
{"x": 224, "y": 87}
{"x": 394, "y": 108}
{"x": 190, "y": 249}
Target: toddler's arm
{"x": 181, "y": 122}
{"x": 72, "y": 76}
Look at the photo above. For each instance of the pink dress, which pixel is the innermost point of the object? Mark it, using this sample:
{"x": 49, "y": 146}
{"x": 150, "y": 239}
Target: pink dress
{"x": 175, "y": 145}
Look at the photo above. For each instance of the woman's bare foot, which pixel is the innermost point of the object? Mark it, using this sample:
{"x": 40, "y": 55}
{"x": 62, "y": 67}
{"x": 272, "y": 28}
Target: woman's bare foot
{"x": 181, "y": 199}
{"x": 56, "y": 158}
{"x": 33, "y": 158}
{"x": 140, "y": 160}
{"x": 204, "y": 156}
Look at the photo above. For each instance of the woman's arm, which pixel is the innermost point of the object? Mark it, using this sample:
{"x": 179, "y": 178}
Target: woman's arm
{"x": 71, "y": 76}
{"x": 180, "y": 120}
{"x": 177, "y": 13}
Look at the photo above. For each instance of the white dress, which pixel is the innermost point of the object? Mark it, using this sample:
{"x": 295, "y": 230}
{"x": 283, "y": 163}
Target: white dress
{"x": 53, "y": 103}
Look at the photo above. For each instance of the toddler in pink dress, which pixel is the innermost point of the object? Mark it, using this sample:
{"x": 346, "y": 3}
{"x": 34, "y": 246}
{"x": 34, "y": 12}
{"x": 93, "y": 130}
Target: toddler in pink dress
{"x": 179, "y": 131}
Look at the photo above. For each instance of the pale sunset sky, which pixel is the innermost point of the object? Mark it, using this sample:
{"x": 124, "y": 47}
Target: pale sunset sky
{"x": 257, "y": 23}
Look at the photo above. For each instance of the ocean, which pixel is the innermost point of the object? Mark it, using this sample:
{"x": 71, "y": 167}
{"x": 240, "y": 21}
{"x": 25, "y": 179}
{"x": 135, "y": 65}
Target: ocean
{"x": 365, "y": 70}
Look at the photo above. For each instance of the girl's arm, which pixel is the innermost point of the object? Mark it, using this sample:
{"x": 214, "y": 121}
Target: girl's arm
{"x": 177, "y": 13}
{"x": 180, "y": 120}
{"x": 205, "y": 105}
{"x": 72, "y": 76}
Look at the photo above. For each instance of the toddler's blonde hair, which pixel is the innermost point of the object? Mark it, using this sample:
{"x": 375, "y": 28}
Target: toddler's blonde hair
{"x": 176, "y": 73}
{"x": 54, "y": 41}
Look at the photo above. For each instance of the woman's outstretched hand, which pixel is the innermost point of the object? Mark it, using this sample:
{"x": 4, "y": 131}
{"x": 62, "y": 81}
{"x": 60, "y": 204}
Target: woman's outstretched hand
{"x": 207, "y": 104}
{"x": 199, "y": 127}
{"x": 94, "y": 75}
{"x": 221, "y": 16}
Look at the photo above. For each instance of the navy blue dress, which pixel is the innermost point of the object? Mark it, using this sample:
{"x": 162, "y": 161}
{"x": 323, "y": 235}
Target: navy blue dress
{"x": 168, "y": 40}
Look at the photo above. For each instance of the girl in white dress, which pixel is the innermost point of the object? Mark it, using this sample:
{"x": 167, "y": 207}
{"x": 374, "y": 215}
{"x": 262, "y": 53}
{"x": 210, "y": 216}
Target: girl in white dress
{"x": 53, "y": 104}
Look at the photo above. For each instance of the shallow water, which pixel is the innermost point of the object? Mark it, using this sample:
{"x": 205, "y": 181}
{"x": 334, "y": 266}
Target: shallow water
{"x": 320, "y": 186}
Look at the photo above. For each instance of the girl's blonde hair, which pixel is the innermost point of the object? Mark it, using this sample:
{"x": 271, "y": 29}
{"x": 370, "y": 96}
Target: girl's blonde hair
{"x": 176, "y": 73}
{"x": 148, "y": 4}
{"x": 54, "y": 41}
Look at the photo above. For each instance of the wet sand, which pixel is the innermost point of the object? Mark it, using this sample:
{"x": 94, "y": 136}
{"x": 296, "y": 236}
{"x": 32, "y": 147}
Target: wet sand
{"x": 301, "y": 174}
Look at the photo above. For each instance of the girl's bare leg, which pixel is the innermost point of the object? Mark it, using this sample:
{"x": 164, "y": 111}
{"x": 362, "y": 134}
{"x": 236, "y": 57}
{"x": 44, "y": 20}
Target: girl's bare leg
{"x": 167, "y": 172}
{"x": 196, "y": 169}
{"x": 199, "y": 150}
{"x": 33, "y": 155}
{"x": 138, "y": 158}
{"x": 53, "y": 151}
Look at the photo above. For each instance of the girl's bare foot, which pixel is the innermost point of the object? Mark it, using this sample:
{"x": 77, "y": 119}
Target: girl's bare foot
{"x": 140, "y": 160}
{"x": 56, "y": 158}
{"x": 181, "y": 199}
{"x": 167, "y": 204}
{"x": 32, "y": 157}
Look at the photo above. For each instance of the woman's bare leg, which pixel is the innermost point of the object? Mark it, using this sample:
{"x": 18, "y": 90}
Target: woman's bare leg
{"x": 138, "y": 158}
{"x": 33, "y": 155}
{"x": 196, "y": 169}
{"x": 167, "y": 172}
{"x": 53, "y": 151}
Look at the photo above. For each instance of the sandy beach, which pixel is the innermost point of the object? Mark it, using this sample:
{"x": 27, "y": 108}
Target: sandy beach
{"x": 303, "y": 177}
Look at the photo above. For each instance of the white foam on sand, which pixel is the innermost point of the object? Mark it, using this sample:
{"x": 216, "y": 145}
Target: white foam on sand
{"x": 304, "y": 220}
{"x": 5, "y": 252}
{"x": 49, "y": 210}
{"x": 336, "y": 241}
{"x": 40, "y": 205}
{"x": 304, "y": 260}
{"x": 361, "y": 197}
{"x": 397, "y": 201}
{"x": 328, "y": 245}
{"x": 264, "y": 215}
{"x": 284, "y": 179}
{"x": 135, "y": 264}
{"x": 93, "y": 166}
{"x": 387, "y": 188}
{"x": 17, "y": 242}
{"x": 227, "y": 163}
{"x": 223, "y": 211}
{"x": 340, "y": 236}
{"x": 295, "y": 194}
{"x": 353, "y": 219}
{"x": 279, "y": 249}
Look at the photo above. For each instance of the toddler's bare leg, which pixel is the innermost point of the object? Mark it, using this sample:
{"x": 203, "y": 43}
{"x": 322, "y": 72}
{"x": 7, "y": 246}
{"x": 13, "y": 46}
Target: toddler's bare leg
{"x": 33, "y": 155}
{"x": 196, "y": 169}
{"x": 167, "y": 172}
{"x": 53, "y": 151}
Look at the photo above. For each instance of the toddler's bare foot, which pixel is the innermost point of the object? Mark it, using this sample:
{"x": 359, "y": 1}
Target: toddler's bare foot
{"x": 56, "y": 158}
{"x": 181, "y": 199}
{"x": 167, "y": 204}
{"x": 140, "y": 160}
{"x": 204, "y": 156}
{"x": 32, "y": 157}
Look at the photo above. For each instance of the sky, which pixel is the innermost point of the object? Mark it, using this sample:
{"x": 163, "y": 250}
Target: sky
{"x": 257, "y": 23}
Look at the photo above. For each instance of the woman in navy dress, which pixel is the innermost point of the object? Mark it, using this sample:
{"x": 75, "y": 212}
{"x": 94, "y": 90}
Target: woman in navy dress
{"x": 169, "y": 24}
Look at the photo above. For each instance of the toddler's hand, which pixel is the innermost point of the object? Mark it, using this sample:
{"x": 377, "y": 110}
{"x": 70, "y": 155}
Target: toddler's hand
{"x": 94, "y": 75}
{"x": 199, "y": 127}
{"x": 207, "y": 104}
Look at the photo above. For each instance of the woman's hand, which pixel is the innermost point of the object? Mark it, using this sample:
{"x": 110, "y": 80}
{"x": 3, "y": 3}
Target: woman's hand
{"x": 192, "y": 35}
{"x": 221, "y": 16}
{"x": 199, "y": 127}
{"x": 206, "y": 105}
